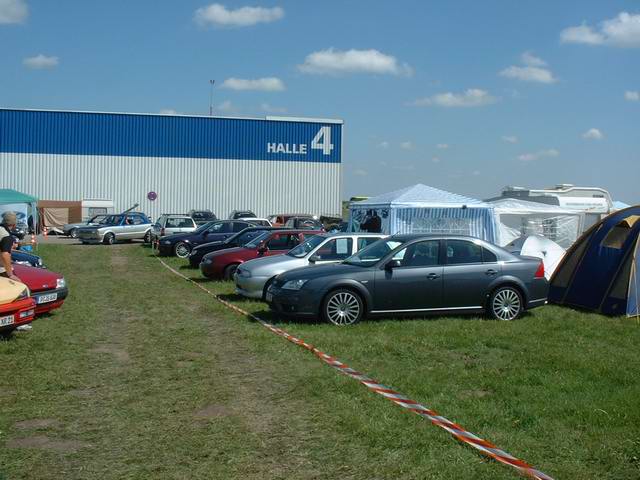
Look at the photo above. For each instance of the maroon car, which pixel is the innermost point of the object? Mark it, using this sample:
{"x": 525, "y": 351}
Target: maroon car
{"x": 223, "y": 264}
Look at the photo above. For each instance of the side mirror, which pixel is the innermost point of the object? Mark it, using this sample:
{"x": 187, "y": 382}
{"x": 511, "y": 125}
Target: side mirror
{"x": 391, "y": 264}
{"x": 314, "y": 259}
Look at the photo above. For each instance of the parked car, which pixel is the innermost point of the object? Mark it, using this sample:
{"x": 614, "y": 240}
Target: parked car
{"x": 116, "y": 228}
{"x": 16, "y": 306}
{"x": 239, "y": 214}
{"x": 23, "y": 258}
{"x": 170, "y": 224}
{"x": 181, "y": 244}
{"x": 235, "y": 240}
{"x": 223, "y": 264}
{"x": 279, "y": 219}
{"x": 253, "y": 277}
{"x": 71, "y": 229}
{"x": 304, "y": 222}
{"x": 257, "y": 221}
{"x": 48, "y": 289}
{"x": 414, "y": 274}
{"x": 202, "y": 216}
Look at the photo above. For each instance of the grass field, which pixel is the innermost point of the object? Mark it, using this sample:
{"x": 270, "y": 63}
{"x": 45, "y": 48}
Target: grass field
{"x": 142, "y": 375}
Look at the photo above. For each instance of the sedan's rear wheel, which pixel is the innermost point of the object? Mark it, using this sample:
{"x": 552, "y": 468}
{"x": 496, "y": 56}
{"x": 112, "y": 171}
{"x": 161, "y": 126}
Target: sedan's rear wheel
{"x": 109, "y": 239}
{"x": 343, "y": 307}
{"x": 182, "y": 250}
{"x": 506, "y": 303}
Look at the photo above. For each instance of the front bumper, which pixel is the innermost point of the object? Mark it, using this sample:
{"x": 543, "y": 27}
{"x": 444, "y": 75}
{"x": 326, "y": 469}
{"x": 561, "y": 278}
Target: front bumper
{"x": 22, "y": 311}
{"x": 210, "y": 269}
{"x": 251, "y": 287}
{"x": 44, "y": 302}
{"x": 165, "y": 249}
{"x": 296, "y": 303}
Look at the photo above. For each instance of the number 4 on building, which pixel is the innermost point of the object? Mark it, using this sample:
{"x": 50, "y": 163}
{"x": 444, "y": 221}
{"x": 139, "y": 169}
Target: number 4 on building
{"x": 322, "y": 141}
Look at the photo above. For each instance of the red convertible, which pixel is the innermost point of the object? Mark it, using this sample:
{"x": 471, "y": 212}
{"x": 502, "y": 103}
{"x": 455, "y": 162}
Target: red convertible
{"x": 223, "y": 264}
{"x": 48, "y": 288}
{"x": 16, "y": 307}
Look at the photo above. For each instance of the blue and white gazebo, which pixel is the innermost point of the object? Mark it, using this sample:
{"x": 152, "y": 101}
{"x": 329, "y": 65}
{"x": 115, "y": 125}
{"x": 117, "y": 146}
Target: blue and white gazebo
{"x": 423, "y": 209}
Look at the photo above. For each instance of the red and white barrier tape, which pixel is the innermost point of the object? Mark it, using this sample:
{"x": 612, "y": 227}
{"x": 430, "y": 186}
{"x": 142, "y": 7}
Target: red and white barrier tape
{"x": 454, "y": 429}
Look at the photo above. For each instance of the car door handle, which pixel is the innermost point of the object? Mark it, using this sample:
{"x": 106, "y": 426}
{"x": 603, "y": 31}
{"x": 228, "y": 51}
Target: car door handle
{"x": 432, "y": 276}
{"x": 491, "y": 272}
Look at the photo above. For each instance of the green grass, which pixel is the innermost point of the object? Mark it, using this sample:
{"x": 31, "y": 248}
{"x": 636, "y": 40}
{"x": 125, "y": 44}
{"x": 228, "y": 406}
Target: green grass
{"x": 128, "y": 365}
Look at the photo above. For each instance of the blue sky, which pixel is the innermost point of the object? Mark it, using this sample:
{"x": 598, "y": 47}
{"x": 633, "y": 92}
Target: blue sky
{"x": 466, "y": 96}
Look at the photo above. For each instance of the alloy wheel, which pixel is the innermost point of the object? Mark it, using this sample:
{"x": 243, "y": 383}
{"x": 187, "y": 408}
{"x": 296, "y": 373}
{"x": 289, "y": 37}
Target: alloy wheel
{"x": 182, "y": 250}
{"x": 506, "y": 304}
{"x": 343, "y": 308}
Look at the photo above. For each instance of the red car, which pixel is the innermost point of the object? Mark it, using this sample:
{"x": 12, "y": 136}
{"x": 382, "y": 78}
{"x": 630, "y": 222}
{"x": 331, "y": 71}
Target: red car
{"x": 223, "y": 264}
{"x": 16, "y": 307}
{"x": 48, "y": 288}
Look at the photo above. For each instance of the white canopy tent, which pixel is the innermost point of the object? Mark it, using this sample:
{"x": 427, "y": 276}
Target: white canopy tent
{"x": 516, "y": 217}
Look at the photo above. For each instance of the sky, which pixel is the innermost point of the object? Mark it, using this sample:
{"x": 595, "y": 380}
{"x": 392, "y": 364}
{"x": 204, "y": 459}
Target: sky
{"x": 465, "y": 96}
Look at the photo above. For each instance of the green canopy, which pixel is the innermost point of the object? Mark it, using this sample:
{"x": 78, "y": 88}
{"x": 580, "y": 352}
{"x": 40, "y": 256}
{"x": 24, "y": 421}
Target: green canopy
{"x": 8, "y": 195}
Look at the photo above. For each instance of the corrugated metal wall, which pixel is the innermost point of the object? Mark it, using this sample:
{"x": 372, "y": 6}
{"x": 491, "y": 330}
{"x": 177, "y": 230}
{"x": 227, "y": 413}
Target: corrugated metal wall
{"x": 190, "y": 162}
{"x": 181, "y": 184}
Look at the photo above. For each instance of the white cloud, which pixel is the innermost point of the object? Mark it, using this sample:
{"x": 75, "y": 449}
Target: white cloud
{"x": 383, "y": 144}
{"x": 620, "y": 31}
{"x": 530, "y": 157}
{"x": 593, "y": 134}
{"x": 407, "y": 145}
{"x": 435, "y": 160}
{"x": 40, "y": 62}
{"x": 13, "y": 11}
{"x": 267, "y": 84}
{"x": 475, "y": 173}
{"x": 472, "y": 97}
{"x": 532, "y": 71}
{"x": 168, "y": 111}
{"x": 632, "y": 96}
{"x": 360, "y": 172}
{"x": 227, "y": 107}
{"x": 510, "y": 139}
{"x": 218, "y": 15}
{"x": 336, "y": 62}
{"x": 531, "y": 60}
{"x": 442, "y": 146}
{"x": 272, "y": 109}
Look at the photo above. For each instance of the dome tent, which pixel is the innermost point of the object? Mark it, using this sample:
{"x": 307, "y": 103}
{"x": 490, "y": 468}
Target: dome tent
{"x": 601, "y": 271}
{"x": 423, "y": 209}
{"x": 541, "y": 247}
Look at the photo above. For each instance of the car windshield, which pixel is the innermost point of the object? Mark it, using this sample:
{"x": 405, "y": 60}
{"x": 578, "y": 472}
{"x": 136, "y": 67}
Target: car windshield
{"x": 111, "y": 220}
{"x": 204, "y": 227}
{"x": 373, "y": 253}
{"x": 242, "y": 238}
{"x": 256, "y": 241}
{"x": 97, "y": 219}
{"x": 305, "y": 247}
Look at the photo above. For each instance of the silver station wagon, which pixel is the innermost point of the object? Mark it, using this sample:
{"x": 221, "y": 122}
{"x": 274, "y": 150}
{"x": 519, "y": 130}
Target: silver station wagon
{"x": 253, "y": 277}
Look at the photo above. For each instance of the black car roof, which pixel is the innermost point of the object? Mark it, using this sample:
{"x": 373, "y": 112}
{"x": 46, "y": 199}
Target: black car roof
{"x": 408, "y": 237}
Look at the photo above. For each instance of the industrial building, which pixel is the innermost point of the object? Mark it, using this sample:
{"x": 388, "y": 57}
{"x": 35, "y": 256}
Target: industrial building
{"x": 174, "y": 163}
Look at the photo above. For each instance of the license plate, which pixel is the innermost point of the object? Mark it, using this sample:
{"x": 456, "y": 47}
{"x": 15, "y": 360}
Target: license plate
{"x": 47, "y": 298}
{"x": 8, "y": 320}
{"x": 269, "y": 297}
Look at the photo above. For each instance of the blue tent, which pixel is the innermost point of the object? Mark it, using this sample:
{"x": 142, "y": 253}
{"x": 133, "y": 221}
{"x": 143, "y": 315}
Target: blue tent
{"x": 601, "y": 271}
{"x": 423, "y": 209}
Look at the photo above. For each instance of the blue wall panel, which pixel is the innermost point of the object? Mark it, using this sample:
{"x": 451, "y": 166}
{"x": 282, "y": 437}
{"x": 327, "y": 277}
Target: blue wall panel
{"x": 117, "y": 134}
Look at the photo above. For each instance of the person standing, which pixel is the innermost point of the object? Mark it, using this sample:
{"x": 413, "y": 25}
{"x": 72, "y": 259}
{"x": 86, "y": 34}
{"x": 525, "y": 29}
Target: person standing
{"x": 8, "y": 224}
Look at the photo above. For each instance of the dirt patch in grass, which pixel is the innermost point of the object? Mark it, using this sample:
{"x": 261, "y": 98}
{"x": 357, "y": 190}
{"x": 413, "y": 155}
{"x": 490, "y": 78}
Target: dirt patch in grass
{"x": 474, "y": 393}
{"x": 43, "y": 442}
{"x": 116, "y": 350}
{"x": 212, "y": 411}
{"x": 36, "y": 423}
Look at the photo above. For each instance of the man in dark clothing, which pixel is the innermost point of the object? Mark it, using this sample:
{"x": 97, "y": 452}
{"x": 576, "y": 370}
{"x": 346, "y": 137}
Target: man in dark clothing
{"x": 373, "y": 224}
{"x": 6, "y": 244}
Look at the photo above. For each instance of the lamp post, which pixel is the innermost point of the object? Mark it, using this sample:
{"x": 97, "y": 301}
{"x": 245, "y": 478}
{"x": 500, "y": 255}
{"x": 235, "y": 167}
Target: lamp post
{"x": 211, "y": 82}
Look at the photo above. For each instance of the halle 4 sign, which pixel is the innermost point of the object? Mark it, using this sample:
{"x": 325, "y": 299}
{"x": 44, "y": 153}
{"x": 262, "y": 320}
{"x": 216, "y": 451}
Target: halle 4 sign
{"x": 322, "y": 141}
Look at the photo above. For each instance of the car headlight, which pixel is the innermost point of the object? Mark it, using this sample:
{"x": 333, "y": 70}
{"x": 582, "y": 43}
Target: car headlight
{"x": 166, "y": 242}
{"x": 244, "y": 273}
{"x": 207, "y": 261}
{"x": 294, "y": 284}
{"x": 61, "y": 283}
{"x": 24, "y": 294}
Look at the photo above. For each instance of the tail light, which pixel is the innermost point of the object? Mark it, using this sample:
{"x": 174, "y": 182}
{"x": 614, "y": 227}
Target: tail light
{"x": 540, "y": 271}
{"x": 162, "y": 232}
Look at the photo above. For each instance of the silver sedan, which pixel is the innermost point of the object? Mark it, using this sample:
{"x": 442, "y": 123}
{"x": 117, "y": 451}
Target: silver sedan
{"x": 253, "y": 277}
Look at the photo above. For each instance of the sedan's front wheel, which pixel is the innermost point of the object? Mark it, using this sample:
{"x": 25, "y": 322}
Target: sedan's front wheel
{"x": 505, "y": 303}
{"x": 343, "y": 307}
{"x": 182, "y": 250}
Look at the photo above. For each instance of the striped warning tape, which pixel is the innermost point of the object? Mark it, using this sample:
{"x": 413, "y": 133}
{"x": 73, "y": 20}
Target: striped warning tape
{"x": 454, "y": 429}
